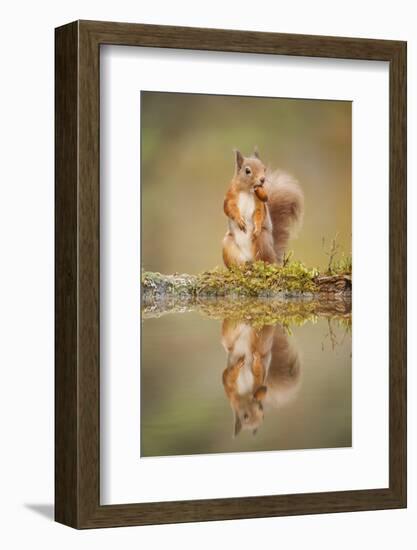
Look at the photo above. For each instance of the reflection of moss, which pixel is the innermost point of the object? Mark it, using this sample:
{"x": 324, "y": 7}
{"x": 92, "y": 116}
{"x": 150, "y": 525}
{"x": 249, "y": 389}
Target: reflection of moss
{"x": 255, "y": 311}
{"x": 261, "y": 312}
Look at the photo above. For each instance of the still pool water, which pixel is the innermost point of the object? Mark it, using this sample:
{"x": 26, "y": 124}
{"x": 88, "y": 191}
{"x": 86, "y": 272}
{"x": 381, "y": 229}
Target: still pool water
{"x": 221, "y": 385}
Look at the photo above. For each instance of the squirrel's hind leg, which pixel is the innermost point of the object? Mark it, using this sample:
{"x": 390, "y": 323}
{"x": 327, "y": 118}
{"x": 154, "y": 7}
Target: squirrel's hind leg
{"x": 231, "y": 252}
{"x": 264, "y": 248}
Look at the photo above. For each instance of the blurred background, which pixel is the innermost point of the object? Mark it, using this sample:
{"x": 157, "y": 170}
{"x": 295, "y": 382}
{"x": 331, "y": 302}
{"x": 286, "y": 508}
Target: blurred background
{"x": 187, "y": 162}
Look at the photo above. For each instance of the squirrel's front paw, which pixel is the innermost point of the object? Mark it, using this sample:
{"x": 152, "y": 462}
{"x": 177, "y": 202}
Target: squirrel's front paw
{"x": 241, "y": 224}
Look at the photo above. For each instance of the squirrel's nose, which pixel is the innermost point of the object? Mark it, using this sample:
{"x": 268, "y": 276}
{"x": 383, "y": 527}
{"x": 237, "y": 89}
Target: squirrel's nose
{"x": 262, "y": 180}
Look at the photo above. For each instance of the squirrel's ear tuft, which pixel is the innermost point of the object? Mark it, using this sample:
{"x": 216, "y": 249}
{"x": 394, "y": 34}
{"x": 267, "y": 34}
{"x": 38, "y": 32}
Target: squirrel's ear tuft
{"x": 239, "y": 159}
{"x": 256, "y": 152}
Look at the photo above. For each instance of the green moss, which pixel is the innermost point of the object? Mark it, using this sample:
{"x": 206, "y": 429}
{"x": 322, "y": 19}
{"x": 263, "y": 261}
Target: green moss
{"x": 342, "y": 266}
{"x": 257, "y": 279}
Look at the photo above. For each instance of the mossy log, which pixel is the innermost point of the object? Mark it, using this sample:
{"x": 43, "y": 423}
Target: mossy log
{"x": 290, "y": 290}
{"x": 294, "y": 281}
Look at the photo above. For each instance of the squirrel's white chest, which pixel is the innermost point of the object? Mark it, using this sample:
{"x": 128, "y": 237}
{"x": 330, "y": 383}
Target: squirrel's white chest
{"x": 246, "y": 205}
{"x": 243, "y": 348}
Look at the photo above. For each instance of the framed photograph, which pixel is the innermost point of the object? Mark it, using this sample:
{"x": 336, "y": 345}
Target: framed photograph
{"x": 230, "y": 274}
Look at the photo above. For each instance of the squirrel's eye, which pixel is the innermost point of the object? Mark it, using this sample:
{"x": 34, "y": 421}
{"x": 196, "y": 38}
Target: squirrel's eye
{"x": 247, "y": 171}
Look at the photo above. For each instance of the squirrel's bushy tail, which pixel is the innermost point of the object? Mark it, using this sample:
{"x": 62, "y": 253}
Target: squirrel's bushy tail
{"x": 285, "y": 370}
{"x": 286, "y": 207}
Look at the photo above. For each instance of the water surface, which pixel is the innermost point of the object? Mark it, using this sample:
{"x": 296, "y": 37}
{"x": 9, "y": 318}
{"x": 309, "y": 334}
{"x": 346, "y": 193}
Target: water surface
{"x": 233, "y": 385}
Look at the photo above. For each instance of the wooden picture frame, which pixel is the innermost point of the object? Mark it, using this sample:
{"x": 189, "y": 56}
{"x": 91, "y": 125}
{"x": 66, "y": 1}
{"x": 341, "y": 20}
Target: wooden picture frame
{"x": 77, "y": 372}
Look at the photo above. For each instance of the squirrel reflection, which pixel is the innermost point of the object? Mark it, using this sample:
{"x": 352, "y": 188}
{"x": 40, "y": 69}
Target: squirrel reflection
{"x": 263, "y": 369}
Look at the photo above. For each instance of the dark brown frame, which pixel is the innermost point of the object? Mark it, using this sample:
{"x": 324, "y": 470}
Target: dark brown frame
{"x": 77, "y": 347}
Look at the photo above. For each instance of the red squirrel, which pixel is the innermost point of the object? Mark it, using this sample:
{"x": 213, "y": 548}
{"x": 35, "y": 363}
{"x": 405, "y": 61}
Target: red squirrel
{"x": 263, "y": 209}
